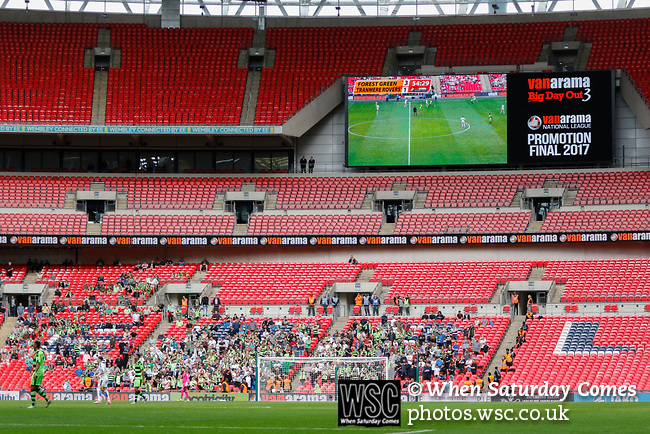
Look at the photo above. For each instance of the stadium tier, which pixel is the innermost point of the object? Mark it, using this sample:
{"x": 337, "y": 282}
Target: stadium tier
{"x": 607, "y": 188}
{"x": 68, "y": 224}
{"x": 454, "y": 191}
{"x": 599, "y": 350}
{"x": 88, "y": 330}
{"x": 613, "y": 280}
{"x": 190, "y": 76}
{"x": 449, "y": 223}
{"x": 168, "y": 224}
{"x": 601, "y": 220}
{"x": 23, "y": 191}
{"x": 222, "y": 328}
{"x": 447, "y": 282}
{"x": 42, "y": 74}
{"x": 338, "y": 224}
{"x": 185, "y": 76}
{"x": 279, "y": 283}
{"x": 490, "y": 44}
{"x": 171, "y": 192}
{"x": 18, "y": 274}
{"x": 436, "y": 331}
{"x": 619, "y": 44}
{"x": 110, "y": 284}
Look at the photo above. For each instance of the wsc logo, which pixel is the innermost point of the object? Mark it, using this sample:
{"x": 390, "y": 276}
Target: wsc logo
{"x": 369, "y": 402}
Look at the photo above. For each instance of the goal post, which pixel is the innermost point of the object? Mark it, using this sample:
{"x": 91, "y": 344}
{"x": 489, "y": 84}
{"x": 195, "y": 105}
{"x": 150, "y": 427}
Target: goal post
{"x": 313, "y": 378}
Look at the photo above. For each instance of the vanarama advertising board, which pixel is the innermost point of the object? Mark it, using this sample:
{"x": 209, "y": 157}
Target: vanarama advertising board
{"x": 561, "y": 118}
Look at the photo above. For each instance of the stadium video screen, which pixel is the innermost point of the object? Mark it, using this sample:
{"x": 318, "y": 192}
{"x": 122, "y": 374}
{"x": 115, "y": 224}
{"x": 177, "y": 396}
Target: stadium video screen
{"x": 427, "y": 120}
{"x": 561, "y": 118}
{"x": 480, "y": 119}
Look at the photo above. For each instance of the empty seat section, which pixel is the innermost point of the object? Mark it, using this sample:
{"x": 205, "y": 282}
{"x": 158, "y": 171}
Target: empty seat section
{"x": 599, "y": 350}
{"x": 601, "y": 280}
{"x": 171, "y": 76}
{"x": 601, "y": 220}
{"x": 490, "y": 43}
{"x": 462, "y": 223}
{"x": 42, "y": 74}
{"x": 447, "y": 282}
{"x": 276, "y": 283}
{"x": 174, "y": 224}
{"x": 43, "y": 224}
{"x": 336, "y": 224}
{"x": 309, "y": 59}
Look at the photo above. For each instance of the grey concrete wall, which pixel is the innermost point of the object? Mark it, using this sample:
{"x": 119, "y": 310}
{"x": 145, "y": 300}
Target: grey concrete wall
{"x": 325, "y": 142}
{"x": 632, "y": 147}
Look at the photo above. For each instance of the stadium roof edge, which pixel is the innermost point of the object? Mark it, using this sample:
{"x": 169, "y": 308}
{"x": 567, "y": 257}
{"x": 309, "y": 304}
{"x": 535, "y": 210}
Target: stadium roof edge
{"x": 16, "y": 15}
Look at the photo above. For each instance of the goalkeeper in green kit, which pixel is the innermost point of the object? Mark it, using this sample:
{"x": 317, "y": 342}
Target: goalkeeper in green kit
{"x": 37, "y": 374}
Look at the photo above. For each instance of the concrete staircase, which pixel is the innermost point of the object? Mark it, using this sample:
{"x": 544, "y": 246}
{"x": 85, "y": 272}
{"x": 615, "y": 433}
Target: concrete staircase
{"x": 97, "y": 186}
{"x": 104, "y": 38}
{"x": 30, "y": 277}
{"x": 89, "y": 58}
{"x": 122, "y": 201}
{"x": 367, "y": 201}
{"x": 550, "y": 183}
{"x": 93, "y": 228}
{"x": 251, "y": 92}
{"x": 496, "y": 295}
{"x": 516, "y": 201}
{"x": 543, "y": 54}
{"x": 250, "y": 187}
{"x": 271, "y": 201}
{"x": 485, "y": 83}
{"x": 390, "y": 63}
{"x": 387, "y": 229}
{"x": 240, "y": 229}
{"x": 70, "y": 201}
{"x": 100, "y": 90}
{"x": 7, "y": 327}
{"x": 414, "y": 38}
{"x": 583, "y": 56}
{"x": 338, "y": 325}
{"x": 420, "y": 200}
{"x": 536, "y": 273}
{"x": 534, "y": 227}
{"x": 569, "y": 197}
{"x": 218, "y": 201}
{"x": 508, "y": 341}
{"x": 399, "y": 186}
{"x": 559, "y": 290}
{"x": 365, "y": 275}
{"x": 198, "y": 276}
{"x": 570, "y": 33}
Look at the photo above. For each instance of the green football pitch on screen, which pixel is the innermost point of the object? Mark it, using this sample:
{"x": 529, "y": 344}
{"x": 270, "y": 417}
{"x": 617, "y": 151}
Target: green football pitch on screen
{"x": 396, "y": 135}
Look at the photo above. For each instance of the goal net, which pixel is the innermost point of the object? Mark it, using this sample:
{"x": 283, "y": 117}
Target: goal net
{"x": 313, "y": 378}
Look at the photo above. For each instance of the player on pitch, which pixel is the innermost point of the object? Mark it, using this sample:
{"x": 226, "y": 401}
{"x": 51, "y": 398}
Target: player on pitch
{"x": 38, "y": 369}
{"x": 138, "y": 379}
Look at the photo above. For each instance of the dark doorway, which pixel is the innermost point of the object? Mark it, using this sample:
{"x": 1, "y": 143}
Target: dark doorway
{"x": 95, "y": 209}
{"x": 393, "y": 208}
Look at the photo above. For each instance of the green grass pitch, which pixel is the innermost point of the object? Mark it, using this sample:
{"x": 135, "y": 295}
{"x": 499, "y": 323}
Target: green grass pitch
{"x": 278, "y": 417}
{"x": 435, "y": 136}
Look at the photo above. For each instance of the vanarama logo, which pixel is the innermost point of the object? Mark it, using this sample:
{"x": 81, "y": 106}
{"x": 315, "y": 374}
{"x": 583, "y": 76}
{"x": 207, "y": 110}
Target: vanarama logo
{"x": 559, "y": 83}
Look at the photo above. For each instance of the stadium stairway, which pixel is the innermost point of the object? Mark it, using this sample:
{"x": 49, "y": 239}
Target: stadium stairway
{"x": 508, "y": 341}
{"x": 338, "y": 325}
{"x": 7, "y": 327}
